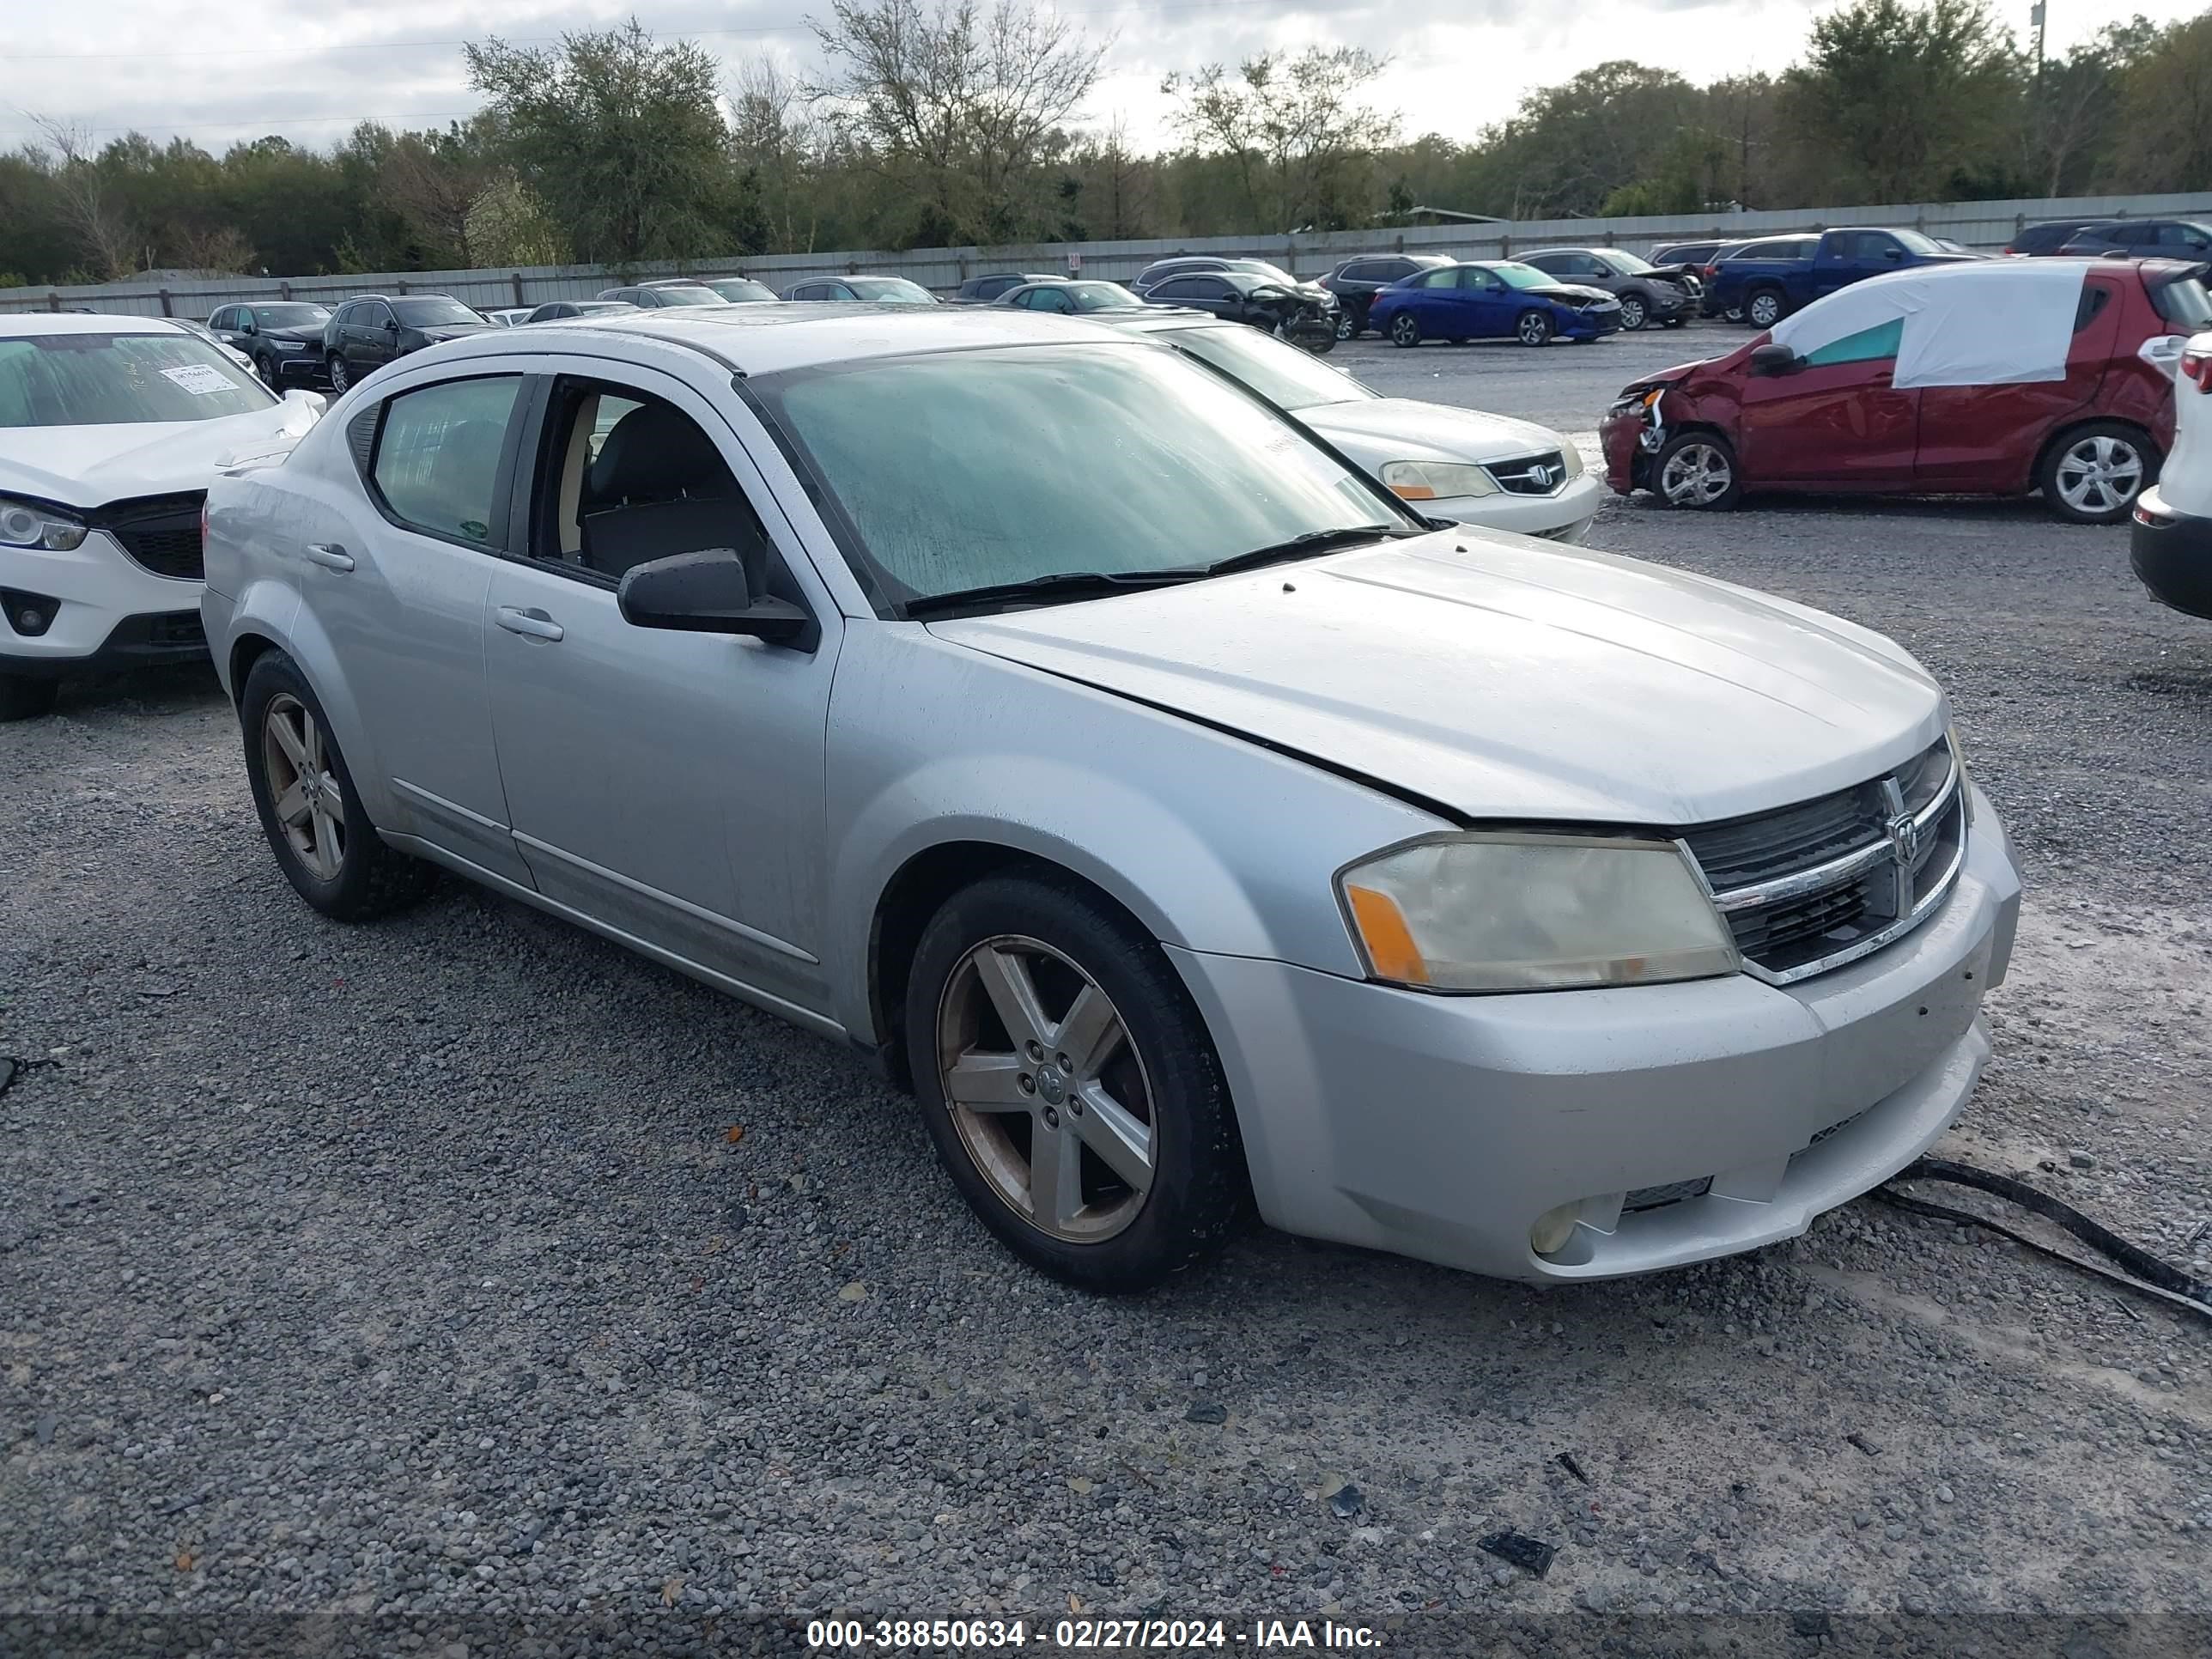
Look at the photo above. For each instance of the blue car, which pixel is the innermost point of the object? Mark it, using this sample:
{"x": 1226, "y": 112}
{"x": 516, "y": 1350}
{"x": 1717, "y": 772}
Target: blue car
{"x": 1502, "y": 300}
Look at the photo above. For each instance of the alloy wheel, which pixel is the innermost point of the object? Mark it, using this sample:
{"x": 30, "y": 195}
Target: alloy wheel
{"x": 1633, "y": 314}
{"x": 1533, "y": 329}
{"x": 1696, "y": 475}
{"x": 339, "y": 379}
{"x": 1048, "y": 1094}
{"x": 310, "y": 807}
{"x": 1404, "y": 331}
{"x": 2099, "y": 474}
{"x": 1763, "y": 310}
{"x": 1347, "y": 329}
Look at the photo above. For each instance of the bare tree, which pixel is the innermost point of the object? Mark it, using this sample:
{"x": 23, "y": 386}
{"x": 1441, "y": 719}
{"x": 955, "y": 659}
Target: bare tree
{"x": 102, "y": 231}
{"x": 436, "y": 185}
{"x": 774, "y": 135}
{"x": 1293, "y": 127}
{"x": 965, "y": 100}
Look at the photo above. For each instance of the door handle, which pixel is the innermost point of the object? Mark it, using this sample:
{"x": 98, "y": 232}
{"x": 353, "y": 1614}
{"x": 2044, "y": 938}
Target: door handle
{"x": 532, "y": 624}
{"x": 328, "y": 554}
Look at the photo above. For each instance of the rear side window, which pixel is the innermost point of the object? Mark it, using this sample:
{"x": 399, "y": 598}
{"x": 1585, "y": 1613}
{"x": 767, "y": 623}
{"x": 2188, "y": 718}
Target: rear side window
{"x": 1868, "y": 345}
{"x": 2094, "y": 297}
{"x": 438, "y": 458}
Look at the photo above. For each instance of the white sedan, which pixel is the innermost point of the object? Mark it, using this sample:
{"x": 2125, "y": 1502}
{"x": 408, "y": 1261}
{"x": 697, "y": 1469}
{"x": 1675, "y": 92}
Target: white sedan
{"x": 110, "y": 430}
{"x": 1448, "y": 463}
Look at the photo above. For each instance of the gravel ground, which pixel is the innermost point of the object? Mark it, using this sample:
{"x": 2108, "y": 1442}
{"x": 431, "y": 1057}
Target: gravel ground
{"x": 465, "y": 1268}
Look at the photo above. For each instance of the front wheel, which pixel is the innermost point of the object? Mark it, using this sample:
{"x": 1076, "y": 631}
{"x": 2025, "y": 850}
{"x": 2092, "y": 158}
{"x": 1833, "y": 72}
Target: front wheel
{"x": 1404, "y": 330}
{"x": 1533, "y": 329}
{"x": 28, "y": 697}
{"x": 309, "y": 810}
{"x": 1069, "y": 1086}
{"x": 1347, "y": 325}
{"x": 1633, "y": 312}
{"x": 1696, "y": 470}
{"x": 2093, "y": 474}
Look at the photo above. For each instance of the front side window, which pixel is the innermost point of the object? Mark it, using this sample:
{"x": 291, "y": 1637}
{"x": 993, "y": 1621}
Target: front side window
{"x": 961, "y": 469}
{"x": 1047, "y": 299}
{"x": 121, "y": 380}
{"x": 437, "y": 457}
{"x": 1865, "y": 346}
{"x": 433, "y": 313}
{"x": 1283, "y": 374}
{"x": 1176, "y": 288}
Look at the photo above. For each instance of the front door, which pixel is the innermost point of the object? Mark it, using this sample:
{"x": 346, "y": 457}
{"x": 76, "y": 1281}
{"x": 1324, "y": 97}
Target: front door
{"x": 399, "y": 587}
{"x": 668, "y": 784}
{"x": 1836, "y": 420}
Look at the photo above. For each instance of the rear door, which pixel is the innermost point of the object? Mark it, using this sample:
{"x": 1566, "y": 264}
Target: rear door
{"x": 1835, "y": 424}
{"x": 1986, "y": 439}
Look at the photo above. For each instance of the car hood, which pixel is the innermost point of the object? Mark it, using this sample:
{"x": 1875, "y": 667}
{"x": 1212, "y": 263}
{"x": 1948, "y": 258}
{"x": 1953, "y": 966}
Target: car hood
{"x": 88, "y": 466}
{"x": 297, "y": 331}
{"x": 1504, "y": 677}
{"x": 1411, "y": 430}
{"x": 1572, "y": 294}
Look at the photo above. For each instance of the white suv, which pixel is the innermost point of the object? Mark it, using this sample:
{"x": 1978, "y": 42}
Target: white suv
{"x": 2172, "y": 530}
{"x": 110, "y": 430}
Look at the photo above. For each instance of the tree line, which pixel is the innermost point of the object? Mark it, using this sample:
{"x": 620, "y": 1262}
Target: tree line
{"x": 932, "y": 123}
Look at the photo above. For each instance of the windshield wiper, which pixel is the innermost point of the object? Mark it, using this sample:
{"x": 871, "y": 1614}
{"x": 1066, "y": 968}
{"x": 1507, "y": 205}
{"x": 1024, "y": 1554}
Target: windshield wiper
{"x": 1313, "y": 542}
{"x": 1061, "y": 585}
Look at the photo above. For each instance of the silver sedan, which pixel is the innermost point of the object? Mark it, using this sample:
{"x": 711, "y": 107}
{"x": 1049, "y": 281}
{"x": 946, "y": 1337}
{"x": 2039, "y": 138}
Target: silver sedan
{"x": 1188, "y": 822}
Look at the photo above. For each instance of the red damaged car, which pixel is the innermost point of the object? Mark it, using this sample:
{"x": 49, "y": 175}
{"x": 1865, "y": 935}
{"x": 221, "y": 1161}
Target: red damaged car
{"x": 1995, "y": 378}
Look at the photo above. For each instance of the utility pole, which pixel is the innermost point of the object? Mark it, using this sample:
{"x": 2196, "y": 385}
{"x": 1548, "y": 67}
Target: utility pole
{"x": 2035, "y": 19}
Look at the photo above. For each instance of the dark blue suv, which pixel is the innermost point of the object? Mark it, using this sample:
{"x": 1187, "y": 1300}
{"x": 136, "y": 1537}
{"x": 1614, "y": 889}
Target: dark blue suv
{"x": 1800, "y": 268}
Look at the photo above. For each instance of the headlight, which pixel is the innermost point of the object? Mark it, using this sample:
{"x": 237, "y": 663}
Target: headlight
{"x": 1430, "y": 481}
{"x": 1535, "y": 913}
{"x": 1573, "y": 458}
{"x": 23, "y": 524}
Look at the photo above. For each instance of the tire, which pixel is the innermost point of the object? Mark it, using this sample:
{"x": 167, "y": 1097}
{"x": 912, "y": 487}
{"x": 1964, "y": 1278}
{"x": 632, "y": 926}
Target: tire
{"x": 1763, "y": 308}
{"x": 330, "y": 852}
{"x": 1405, "y": 329}
{"x": 2093, "y": 474}
{"x": 1532, "y": 328}
{"x": 340, "y": 379}
{"x": 1347, "y": 324}
{"x": 1635, "y": 313}
{"x": 1706, "y": 478}
{"x": 1734, "y": 314}
{"x": 271, "y": 376}
{"x": 28, "y": 697}
{"x": 1049, "y": 942}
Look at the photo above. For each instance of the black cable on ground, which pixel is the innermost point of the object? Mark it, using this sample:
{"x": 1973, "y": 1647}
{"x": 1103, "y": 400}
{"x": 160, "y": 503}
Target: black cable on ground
{"x": 2145, "y": 1273}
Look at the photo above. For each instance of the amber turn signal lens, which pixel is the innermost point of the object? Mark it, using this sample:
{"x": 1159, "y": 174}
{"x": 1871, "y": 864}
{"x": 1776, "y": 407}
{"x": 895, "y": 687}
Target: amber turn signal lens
{"x": 1389, "y": 942}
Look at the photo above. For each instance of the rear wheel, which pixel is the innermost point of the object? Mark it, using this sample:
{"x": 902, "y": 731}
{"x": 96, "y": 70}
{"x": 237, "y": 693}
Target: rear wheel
{"x": 1696, "y": 470}
{"x": 1404, "y": 330}
{"x": 1532, "y": 329}
{"x": 2093, "y": 474}
{"x": 1634, "y": 314}
{"x": 1069, "y": 1086}
{"x": 27, "y": 696}
{"x": 1762, "y": 308}
{"x": 323, "y": 839}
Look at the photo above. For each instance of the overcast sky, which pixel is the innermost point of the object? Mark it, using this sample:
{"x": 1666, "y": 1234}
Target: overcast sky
{"x": 218, "y": 72}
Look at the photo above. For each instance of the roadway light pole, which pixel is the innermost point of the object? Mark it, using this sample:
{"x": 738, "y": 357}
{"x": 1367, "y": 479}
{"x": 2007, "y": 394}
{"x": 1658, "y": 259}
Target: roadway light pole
{"x": 2035, "y": 19}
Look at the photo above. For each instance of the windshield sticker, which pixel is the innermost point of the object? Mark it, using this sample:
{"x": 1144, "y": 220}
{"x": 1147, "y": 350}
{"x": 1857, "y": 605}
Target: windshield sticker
{"x": 200, "y": 378}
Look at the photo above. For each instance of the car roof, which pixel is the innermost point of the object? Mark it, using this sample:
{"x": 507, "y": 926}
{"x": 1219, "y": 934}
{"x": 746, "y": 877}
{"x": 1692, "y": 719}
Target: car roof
{"x": 678, "y": 282}
{"x": 23, "y": 325}
{"x": 770, "y": 339}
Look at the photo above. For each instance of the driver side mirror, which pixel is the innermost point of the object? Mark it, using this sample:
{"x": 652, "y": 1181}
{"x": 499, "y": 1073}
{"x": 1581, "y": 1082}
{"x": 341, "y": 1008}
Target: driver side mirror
{"x": 1773, "y": 359}
{"x": 705, "y": 592}
{"x": 1892, "y": 254}
{"x": 1269, "y": 291}
{"x": 247, "y": 326}
{"x": 391, "y": 326}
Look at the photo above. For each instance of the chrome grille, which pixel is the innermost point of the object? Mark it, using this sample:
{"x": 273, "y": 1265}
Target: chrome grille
{"x": 1531, "y": 475}
{"x": 1813, "y": 886}
{"x": 161, "y": 533}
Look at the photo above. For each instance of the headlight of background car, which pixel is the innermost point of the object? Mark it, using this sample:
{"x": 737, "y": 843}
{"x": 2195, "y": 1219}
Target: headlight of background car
{"x": 1430, "y": 481}
{"x": 24, "y": 524}
{"x": 1535, "y": 913}
{"x": 1573, "y": 458}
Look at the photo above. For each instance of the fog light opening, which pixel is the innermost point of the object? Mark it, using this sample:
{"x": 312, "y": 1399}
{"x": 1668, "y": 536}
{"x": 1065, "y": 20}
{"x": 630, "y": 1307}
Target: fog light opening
{"x": 1554, "y": 1227}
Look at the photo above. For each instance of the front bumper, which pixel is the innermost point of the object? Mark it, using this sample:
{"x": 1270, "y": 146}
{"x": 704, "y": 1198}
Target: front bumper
{"x": 1619, "y": 438}
{"x": 1443, "y": 1127}
{"x": 2171, "y": 553}
{"x": 1586, "y": 325}
{"x": 1563, "y": 516}
{"x": 98, "y": 590}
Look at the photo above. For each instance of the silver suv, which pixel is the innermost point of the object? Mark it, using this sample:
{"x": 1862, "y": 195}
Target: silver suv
{"x": 1029, "y": 706}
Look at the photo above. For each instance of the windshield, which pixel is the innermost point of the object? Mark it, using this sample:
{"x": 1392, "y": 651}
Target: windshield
{"x": 121, "y": 380}
{"x": 1628, "y": 264}
{"x": 1916, "y": 243}
{"x": 1262, "y": 269}
{"x": 290, "y": 316}
{"x": 889, "y": 291}
{"x": 1283, "y": 374}
{"x": 1099, "y": 296}
{"x": 740, "y": 288}
{"x": 1517, "y": 275}
{"x": 433, "y": 313}
{"x": 682, "y": 293}
{"x": 961, "y": 469}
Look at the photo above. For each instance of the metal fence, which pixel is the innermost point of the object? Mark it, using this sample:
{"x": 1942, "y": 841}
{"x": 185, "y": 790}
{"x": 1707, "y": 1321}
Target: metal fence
{"x": 1984, "y": 225}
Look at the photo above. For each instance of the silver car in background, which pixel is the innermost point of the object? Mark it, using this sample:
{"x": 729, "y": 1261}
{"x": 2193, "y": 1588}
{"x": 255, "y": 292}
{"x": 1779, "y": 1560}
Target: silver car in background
{"x": 1187, "y": 822}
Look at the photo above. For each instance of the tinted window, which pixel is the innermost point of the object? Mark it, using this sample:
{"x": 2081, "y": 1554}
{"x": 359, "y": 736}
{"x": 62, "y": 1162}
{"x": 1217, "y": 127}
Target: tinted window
{"x": 437, "y": 457}
{"x": 1863, "y": 347}
{"x": 1177, "y": 288}
{"x": 1559, "y": 264}
{"x": 433, "y": 313}
{"x": 121, "y": 380}
{"x": 1362, "y": 271}
{"x": 220, "y": 318}
{"x": 1048, "y": 299}
{"x": 2094, "y": 298}
{"x": 1130, "y": 459}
